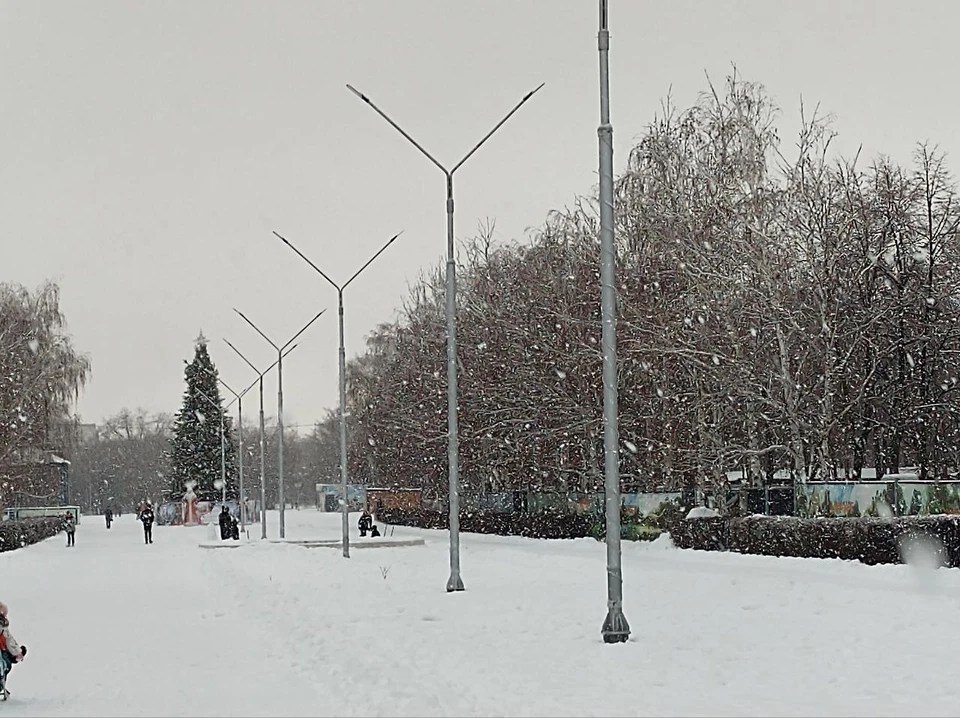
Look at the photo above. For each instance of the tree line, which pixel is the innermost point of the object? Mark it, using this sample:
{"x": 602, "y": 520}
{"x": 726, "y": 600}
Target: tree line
{"x": 779, "y": 309}
{"x": 131, "y": 461}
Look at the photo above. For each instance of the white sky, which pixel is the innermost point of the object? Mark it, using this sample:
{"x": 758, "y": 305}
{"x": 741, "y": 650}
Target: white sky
{"x": 147, "y": 149}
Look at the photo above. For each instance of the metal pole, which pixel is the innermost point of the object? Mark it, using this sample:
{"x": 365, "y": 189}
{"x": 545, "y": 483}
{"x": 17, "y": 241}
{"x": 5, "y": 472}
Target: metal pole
{"x": 263, "y": 444}
{"x": 263, "y": 473}
{"x": 283, "y": 500}
{"x": 223, "y": 459}
{"x": 243, "y": 506}
{"x": 615, "y": 627}
{"x": 342, "y": 377}
{"x": 345, "y": 508}
{"x": 281, "y": 351}
{"x": 455, "y": 582}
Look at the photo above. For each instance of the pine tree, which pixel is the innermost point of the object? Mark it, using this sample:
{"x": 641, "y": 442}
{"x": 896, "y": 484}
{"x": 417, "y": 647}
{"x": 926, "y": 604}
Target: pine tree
{"x": 195, "y": 451}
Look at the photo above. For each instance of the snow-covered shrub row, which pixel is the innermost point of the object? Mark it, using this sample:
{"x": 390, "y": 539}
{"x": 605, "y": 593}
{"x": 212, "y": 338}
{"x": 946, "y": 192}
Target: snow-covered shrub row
{"x": 539, "y": 525}
{"x": 17, "y": 534}
{"x": 869, "y": 540}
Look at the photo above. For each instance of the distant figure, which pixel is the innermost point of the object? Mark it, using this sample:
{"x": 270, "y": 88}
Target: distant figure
{"x": 146, "y": 518}
{"x": 10, "y": 651}
{"x": 374, "y": 531}
{"x": 226, "y": 524}
{"x": 70, "y": 526}
{"x": 366, "y": 521}
{"x": 108, "y": 515}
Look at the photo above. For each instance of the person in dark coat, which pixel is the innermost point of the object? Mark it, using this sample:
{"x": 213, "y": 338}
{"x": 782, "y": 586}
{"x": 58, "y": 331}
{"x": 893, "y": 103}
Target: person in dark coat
{"x": 146, "y": 518}
{"x": 70, "y": 526}
{"x": 366, "y": 521}
{"x": 108, "y": 515}
{"x": 226, "y": 524}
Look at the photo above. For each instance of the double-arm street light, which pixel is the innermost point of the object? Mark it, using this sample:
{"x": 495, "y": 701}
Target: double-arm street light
{"x": 263, "y": 452}
{"x": 344, "y": 509}
{"x": 280, "y": 351}
{"x": 239, "y": 400}
{"x": 455, "y": 583}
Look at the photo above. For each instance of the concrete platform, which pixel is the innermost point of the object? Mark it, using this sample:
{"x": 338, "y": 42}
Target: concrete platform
{"x": 378, "y": 542}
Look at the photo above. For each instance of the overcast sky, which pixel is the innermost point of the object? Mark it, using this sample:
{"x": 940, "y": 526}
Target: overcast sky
{"x": 148, "y": 149}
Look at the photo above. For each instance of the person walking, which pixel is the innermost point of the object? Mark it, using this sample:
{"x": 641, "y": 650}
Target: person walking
{"x": 146, "y": 518}
{"x": 70, "y": 526}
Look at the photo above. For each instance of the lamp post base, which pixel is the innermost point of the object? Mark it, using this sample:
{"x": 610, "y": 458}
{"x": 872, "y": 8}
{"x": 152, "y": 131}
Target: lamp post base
{"x": 455, "y": 583}
{"x": 615, "y": 627}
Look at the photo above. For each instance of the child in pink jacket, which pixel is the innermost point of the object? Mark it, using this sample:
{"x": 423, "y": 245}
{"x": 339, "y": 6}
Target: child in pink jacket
{"x": 10, "y": 651}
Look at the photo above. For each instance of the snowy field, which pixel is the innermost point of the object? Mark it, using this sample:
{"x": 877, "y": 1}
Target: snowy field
{"x": 117, "y": 628}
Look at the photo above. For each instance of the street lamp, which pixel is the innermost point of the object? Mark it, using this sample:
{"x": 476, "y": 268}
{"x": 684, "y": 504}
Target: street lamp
{"x": 223, "y": 445}
{"x": 455, "y": 583}
{"x": 263, "y": 452}
{"x": 239, "y": 400}
{"x": 343, "y": 378}
{"x": 615, "y": 627}
{"x": 280, "y": 350}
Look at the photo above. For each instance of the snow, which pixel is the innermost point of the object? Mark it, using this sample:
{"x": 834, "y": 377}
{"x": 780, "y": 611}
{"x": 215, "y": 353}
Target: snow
{"x": 117, "y": 628}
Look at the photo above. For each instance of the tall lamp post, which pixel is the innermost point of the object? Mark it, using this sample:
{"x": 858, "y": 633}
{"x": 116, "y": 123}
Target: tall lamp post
{"x": 280, "y": 351}
{"x": 239, "y": 400}
{"x": 455, "y": 582}
{"x": 223, "y": 445}
{"x": 344, "y": 509}
{"x": 263, "y": 452}
{"x": 615, "y": 627}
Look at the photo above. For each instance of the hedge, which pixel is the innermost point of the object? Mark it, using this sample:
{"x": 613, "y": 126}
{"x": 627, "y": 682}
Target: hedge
{"x": 868, "y": 540}
{"x": 24, "y": 532}
{"x": 539, "y": 525}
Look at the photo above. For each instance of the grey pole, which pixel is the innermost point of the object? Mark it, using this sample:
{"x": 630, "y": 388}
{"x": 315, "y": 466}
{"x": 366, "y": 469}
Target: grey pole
{"x": 263, "y": 441}
{"x": 455, "y": 582}
{"x": 239, "y": 400}
{"x": 223, "y": 459}
{"x": 223, "y": 446}
{"x": 263, "y": 472}
{"x": 279, "y": 365}
{"x": 345, "y": 506}
{"x": 281, "y": 494}
{"x": 344, "y": 509}
{"x": 243, "y": 503}
{"x": 615, "y": 627}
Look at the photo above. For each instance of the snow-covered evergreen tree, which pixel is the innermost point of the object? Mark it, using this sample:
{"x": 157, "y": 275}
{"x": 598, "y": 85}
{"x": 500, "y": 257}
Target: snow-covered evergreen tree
{"x": 195, "y": 452}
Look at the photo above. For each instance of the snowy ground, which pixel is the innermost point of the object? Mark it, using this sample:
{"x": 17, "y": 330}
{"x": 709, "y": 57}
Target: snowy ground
{"x": 117, "y": 628}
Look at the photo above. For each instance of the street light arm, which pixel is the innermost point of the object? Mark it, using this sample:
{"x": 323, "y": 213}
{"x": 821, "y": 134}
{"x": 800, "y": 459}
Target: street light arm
{"x": 397, "y": 128}
{"x": 256, "y": 328}
{"x": 227, "y": 387}
{"x": 305, "y": 259}
{"x": 249, "y": 363}
{"x": 202, "y": 393}
{"x": 497, "y": 127}
{"x": 305, "y": 327}
{"x": 370, "y": 261}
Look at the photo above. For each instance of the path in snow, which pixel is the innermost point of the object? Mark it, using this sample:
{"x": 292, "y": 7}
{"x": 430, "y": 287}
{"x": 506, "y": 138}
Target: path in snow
{"x": 119, "y": 628}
